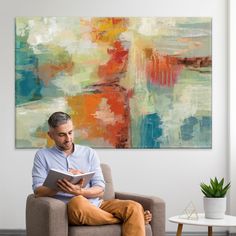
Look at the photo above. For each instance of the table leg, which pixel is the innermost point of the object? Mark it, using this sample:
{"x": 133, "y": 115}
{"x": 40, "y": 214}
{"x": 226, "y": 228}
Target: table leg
{"x": 209, "y": 230}
{"x": 179, "y": 230}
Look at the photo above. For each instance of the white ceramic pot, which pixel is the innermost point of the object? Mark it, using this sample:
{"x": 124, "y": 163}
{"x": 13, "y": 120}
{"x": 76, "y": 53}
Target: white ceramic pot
{"x": 214, "y": 207}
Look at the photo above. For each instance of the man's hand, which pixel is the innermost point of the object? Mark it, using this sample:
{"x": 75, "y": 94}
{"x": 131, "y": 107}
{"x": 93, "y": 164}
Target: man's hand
{"x": 68, "y": 187}
{"x": 76, "y": 189}
{"x": 75, "y": 172}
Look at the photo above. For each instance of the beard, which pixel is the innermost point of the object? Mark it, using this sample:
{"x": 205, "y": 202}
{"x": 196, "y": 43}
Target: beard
{"x": 66, "y": 146}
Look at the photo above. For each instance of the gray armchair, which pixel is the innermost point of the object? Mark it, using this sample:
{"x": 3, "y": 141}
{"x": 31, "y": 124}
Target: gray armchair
{"x": 47, "y": 216}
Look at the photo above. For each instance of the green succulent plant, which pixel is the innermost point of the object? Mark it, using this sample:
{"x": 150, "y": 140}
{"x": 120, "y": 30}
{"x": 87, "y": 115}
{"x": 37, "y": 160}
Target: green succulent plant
{"x": 215, "y": 189}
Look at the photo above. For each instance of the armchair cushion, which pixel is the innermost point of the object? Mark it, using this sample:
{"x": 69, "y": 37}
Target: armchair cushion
{"x": 103, "y": 230}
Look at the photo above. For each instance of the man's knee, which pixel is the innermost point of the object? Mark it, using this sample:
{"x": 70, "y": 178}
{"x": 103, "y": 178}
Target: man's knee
{"x": 76, "y": 203}
{"x": 134, "y": 206}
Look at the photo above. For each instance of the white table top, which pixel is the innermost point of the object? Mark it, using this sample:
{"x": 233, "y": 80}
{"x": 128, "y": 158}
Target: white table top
{"x": 202, "y": 221}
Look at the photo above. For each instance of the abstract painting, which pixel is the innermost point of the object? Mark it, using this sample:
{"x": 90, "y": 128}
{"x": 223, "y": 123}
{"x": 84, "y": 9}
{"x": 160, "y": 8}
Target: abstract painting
{"x": 127, "y": 82}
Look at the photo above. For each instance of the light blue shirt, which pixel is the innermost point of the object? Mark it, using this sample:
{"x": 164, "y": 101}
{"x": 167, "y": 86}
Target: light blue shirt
{"x": 83, "y": 158}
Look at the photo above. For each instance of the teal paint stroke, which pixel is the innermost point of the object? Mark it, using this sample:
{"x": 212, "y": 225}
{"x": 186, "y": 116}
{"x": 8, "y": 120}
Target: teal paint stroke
{"x": 151, "y": 131}
{"x": 28, "y": 85}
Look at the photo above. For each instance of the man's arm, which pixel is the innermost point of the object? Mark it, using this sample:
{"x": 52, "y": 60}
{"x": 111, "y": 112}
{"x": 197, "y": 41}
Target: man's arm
{"x": 43, "y": 191}
{"x": 93, "y": 192}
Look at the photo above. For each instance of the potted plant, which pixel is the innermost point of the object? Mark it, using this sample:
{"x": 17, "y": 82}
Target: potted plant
{"x": 214, "y": 198}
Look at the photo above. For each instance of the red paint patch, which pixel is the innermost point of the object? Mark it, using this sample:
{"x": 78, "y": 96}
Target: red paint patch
{"x": 117, "y": 62}
{"x": 162, "y": 70}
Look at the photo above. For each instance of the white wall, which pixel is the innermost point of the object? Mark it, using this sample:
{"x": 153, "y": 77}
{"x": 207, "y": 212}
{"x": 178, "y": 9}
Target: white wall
{"x": 173, "y": 175}
{"x": 232, "y": 97}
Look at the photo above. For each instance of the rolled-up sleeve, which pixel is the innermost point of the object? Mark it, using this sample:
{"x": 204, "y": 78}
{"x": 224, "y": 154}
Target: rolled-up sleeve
{"x": 39, "y": 171}
{"x": 98, "y": 179}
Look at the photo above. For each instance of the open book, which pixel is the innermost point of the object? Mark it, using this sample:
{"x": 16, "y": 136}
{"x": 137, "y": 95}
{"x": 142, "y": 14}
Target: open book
{"x": 54, "y": 175}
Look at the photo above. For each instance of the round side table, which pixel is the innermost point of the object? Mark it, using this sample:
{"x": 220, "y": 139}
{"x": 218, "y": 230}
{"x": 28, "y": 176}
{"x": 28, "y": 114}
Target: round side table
{"x": 228, "y": 221}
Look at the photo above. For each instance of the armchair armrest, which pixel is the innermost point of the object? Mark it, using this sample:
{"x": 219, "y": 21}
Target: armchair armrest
{"x": 46, "y": 216}
{"x": 154, "y": 204}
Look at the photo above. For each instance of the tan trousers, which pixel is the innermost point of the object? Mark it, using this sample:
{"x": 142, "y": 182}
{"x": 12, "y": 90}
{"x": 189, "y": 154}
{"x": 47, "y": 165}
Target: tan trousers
{"x": 127, "y": 212}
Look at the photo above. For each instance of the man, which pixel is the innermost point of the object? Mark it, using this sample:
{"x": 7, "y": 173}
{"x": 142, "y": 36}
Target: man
{"x": 85, "y": 205}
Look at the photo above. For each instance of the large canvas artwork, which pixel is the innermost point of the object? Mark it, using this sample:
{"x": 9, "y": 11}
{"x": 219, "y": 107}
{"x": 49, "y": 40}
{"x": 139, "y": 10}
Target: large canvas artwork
{"x": 129, "y": 82}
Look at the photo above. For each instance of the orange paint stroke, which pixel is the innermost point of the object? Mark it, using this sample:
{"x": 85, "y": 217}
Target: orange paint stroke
{"x": 103, "y": 116}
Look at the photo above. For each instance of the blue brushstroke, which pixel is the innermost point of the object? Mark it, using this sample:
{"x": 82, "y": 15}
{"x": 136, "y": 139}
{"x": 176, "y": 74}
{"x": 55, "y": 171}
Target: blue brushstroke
{"x": 205, "y": 123}
{"x": 151, "y": 130}
{"x": 187, "y": 128}
{"x": 197, "y": 129}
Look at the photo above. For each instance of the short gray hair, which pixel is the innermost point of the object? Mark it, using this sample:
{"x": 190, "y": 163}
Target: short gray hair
{"x": 58, "y": 118}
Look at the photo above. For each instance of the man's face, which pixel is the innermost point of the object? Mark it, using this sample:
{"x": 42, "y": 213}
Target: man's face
{"x": 62, "y": 135}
